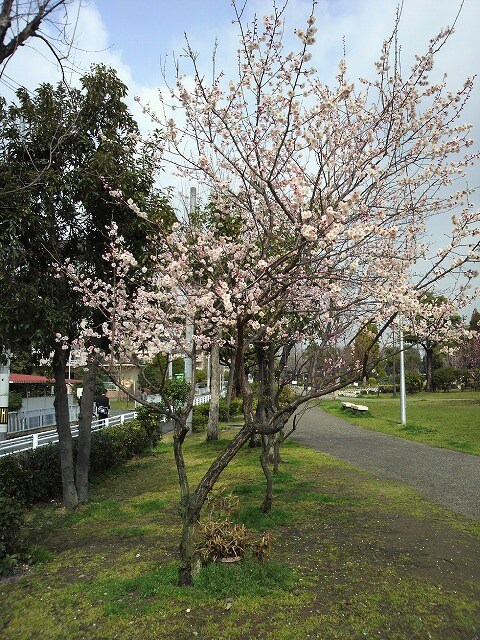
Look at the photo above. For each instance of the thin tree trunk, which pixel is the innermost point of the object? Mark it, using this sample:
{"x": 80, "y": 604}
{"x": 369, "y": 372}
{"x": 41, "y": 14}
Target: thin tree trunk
{"x": 212, "y": 431}
{"x": 191, "y": 503}
{"x": 189, "y": 559}
{"x": 62, "y": 417}
{"x": 268, "y": 499}
{"x": 276, "y": 455}
{"x": 85, "y": 429}
{"x": 429, "y": 369}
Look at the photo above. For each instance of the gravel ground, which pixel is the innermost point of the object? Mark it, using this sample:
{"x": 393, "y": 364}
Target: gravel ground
{"x": 450, "y": 478}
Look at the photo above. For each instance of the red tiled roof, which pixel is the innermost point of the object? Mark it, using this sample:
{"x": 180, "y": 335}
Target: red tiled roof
{"x": 23, "y": 378}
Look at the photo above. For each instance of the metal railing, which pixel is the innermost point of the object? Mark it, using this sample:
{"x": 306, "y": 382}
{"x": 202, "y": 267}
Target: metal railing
{"x": 34, "y": 440}
{"x": 19, "y": 421}
{"x": 200, "y": 399}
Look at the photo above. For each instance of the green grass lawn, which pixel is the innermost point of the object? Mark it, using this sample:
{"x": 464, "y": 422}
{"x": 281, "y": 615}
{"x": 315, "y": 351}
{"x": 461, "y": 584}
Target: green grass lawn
{"x": 450, "y": 420}
{"x": 122, "y": 405}
{"x": 353, "y": 557}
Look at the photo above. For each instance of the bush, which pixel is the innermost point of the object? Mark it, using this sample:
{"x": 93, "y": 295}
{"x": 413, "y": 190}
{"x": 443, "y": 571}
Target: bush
{"x": 11, "y": 521}
{"x": 14, "y": 401}
{"x": 445, "y": 377}
{"x": 151, "y": 421}
{"x": 385, "y": 388}
{"x": 35, "y": 476}
{"x": 413, "y": 382}
{"x": 221, "y": 538}
{"x": 236, "y": 406}
{"x": 202, "y": 411}
{"x": 199, "y": 422}
{"x": 286, "y": 397}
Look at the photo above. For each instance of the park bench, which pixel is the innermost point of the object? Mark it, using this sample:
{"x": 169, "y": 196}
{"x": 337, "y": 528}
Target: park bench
{"x": 354, "y": 407}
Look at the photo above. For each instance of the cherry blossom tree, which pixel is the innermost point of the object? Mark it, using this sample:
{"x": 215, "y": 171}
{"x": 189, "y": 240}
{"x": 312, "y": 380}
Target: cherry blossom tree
{"x": 333, "y": 191}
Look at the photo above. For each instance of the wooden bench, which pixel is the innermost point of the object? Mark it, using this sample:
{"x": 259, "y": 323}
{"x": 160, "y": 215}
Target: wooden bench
{"x": 354, "y": 407}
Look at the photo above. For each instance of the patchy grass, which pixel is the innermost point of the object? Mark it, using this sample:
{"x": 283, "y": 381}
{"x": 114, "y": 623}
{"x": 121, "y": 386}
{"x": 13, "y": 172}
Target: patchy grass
{"x": 353, "y": 557}
{"x": 449, "y": 420}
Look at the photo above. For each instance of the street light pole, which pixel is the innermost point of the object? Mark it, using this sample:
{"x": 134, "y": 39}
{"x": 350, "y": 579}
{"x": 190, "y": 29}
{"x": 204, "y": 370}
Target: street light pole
{"x": 403, "y": 398}
{"x": 188, "y": 362}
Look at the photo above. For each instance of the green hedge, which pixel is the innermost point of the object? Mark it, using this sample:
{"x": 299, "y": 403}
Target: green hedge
{"x": 201, "y": 411}
{"x": 35, "y": 475}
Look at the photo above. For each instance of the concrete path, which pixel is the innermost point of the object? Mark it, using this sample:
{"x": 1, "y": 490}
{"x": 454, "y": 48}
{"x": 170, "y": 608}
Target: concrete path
{"x": 450, "y": 478}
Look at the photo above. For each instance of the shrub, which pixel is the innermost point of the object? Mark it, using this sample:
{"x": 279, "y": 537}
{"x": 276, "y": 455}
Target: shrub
{"x": 199, "y": 422}
{"x": 445, "y": 377}
{"x": 385, "y": 388}
{"x": 11, "y": 521}
{"x": 14, "y": 401}
{"x": 286, "y": 396}
{"x": 202, "y": 411}
{"x": 35, "y": 476}
{"x": 151, "y": 421}
{"x": 236, "y": 406}
{"x": 413, "y": 382}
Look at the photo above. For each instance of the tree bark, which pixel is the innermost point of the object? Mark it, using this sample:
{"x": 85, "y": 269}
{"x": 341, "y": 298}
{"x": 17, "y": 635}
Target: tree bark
{"x": 212, "y": 431}
{"x": 268, "y": 499}
{"x": 429, "y": 369}
{"x": 189, "y": 559}
{"x": 62, "y": 417}
{"x": 85, "y": 429}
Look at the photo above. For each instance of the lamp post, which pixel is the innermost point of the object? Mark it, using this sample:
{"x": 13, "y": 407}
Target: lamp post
{"x": 188, "y": 362}
{"x": 403, "y": 398}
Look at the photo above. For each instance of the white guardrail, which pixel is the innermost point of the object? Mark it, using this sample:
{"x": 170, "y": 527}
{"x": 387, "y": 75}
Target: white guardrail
{"x": 34, "y": 419}
{"x": 42, "y": 438}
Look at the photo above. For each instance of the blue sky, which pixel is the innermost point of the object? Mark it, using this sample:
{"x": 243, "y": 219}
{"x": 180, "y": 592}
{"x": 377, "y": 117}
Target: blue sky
{"x": 135, "y": 37}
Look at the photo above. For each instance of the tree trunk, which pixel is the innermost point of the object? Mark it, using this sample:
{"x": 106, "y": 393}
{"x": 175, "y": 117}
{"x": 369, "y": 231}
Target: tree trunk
{"x": 85, "y": 429}
{"x": 276, "y": 454}
{"x": 189, "y": 559}
{"x": 268, "y": 499}
{"x": 212, "y": 431}
{"x": 191, "y": 502}
{"x": 429, "y": 369}
{"x": 62, "y": 417}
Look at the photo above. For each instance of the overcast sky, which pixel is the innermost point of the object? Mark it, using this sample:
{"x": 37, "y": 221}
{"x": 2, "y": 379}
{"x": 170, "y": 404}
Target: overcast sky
{"x": 136, "y": 37}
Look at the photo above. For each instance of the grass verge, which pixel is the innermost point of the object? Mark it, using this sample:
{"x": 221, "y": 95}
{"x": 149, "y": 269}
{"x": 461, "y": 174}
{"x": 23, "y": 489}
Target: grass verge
{"x": 353, "y": 558}
{"x": 448, "y": 420}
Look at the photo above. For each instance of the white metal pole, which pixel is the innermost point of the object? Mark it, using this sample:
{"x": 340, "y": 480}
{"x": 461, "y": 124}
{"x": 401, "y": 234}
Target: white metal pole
{"x": 188, "y": 363}
{"x": 403, "y": 398}
{"x": 208, "y": 372}
{"x": 4, "y": 382}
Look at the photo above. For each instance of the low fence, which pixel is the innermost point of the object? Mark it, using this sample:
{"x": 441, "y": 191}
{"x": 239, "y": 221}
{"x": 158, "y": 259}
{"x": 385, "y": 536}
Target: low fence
{"x": 34, "y": 440}
{"x": 19, "y": 421}
{"x": 200, "y": 399}
{"x": 357, "y": 391}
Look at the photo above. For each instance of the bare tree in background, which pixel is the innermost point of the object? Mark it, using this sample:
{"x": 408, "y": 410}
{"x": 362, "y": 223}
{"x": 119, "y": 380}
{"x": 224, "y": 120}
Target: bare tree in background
{"x": 22, "y": 20}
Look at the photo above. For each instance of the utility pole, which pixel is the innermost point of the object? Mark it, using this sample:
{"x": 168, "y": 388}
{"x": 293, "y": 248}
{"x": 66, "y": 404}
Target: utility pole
{"x": 403, "y": 398}
{"x": 188, "y": 362}
{"x": 4, "y": 382}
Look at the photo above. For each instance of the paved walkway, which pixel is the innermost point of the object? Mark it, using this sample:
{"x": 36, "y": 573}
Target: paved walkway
{"x": 450, "y": 478}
